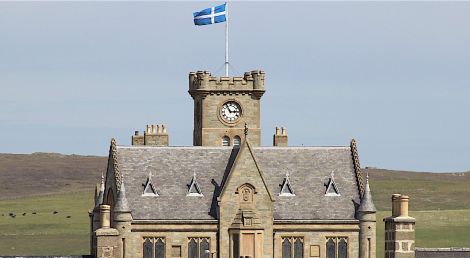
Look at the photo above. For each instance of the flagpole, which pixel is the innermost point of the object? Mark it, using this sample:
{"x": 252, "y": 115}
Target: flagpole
{"x": 226, "y": 38}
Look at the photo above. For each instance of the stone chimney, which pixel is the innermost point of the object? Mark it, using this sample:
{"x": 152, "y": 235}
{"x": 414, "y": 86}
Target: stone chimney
{"x": 280, "y": 137}
{"x": 400, "y": 230}
{"x": 137, "y": 139}
{"x": 154, "y": 135}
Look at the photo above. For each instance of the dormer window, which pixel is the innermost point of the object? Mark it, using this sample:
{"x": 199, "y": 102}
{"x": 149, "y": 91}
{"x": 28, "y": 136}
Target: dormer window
{"x": 286, "y": 187}
{"x": 194, "y": 189}
{"x": 149, "y": 187}
{"x": 331, "y": 188}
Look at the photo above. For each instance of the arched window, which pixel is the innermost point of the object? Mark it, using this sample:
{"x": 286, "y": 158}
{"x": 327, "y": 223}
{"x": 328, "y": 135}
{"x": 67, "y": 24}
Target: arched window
{"x": 286, "y": 248}
{"x": 292, "y": 247}
{"x": 330, "y": 248}
{"x": 236, "y": 140}
{"x": 226, "y": 141}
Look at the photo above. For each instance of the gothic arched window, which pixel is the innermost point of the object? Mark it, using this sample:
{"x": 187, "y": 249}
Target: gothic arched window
{"x": 292, "y": 247}
{"x": 286, "y": 248}
{"x": 337, "y": 247}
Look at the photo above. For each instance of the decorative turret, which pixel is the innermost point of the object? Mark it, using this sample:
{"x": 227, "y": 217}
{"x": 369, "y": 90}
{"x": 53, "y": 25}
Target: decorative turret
{"x": 367, "y": 224}
{"x": 367, "y": 205}
{"x": 121, "y": 202}
{"x": 100, "y": 193}
{"x": 122, "y": 213}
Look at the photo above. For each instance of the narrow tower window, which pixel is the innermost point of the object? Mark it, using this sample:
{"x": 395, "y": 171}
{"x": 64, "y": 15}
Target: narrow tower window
{"x": 236, "y": 140}
{"x": 226, "y": 141}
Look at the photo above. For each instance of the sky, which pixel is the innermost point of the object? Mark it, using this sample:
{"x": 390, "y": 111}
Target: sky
{"x": 393, "y": 75}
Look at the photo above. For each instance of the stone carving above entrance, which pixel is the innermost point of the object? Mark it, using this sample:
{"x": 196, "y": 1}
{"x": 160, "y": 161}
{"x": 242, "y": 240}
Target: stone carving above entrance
{"x": 246, "y": 192}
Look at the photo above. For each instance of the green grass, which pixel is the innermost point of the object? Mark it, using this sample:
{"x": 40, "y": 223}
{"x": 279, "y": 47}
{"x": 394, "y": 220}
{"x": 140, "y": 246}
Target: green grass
{"x": 49, "y": 234}
{"x": 46, "y": 233}
{"x": 443, "y": 228}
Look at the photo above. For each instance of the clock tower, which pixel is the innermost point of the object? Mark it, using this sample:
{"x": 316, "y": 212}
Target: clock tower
{"x": 222, "y": 107}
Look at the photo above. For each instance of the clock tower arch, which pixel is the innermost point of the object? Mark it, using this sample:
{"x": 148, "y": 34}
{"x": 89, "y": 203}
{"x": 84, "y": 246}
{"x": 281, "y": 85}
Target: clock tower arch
{"x": 222, "y": 107}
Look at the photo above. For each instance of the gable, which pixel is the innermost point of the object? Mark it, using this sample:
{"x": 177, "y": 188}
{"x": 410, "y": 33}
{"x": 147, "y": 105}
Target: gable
{"x": 245, "y": 170}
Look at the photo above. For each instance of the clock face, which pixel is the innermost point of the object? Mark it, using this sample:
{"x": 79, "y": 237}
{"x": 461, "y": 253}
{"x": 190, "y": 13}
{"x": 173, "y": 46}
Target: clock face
{"x": 230, "y": 111}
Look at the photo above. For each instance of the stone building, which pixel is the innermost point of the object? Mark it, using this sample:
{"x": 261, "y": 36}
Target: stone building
{"x": 228, "y": 196}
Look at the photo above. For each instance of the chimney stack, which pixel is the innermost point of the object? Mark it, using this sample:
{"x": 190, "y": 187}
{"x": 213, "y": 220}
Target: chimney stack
{"x": 400, "y": 230}
{"x": 280, "y": 137}
{"x": 154, "y": 135}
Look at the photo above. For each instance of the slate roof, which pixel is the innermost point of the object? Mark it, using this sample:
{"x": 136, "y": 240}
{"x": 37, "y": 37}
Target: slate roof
{"x": 172, "y": 169}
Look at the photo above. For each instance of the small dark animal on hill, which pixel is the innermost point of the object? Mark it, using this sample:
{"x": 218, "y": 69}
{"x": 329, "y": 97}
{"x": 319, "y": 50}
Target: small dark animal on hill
{"x": 34, "y": 213}
{"x": 55, "y": 212}
{"x": 68, "y": 217}
{"x": 24, "y": 214}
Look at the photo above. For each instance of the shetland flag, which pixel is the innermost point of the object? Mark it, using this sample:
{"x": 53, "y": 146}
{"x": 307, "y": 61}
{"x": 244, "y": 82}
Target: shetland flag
{"x": 210, "y": 15}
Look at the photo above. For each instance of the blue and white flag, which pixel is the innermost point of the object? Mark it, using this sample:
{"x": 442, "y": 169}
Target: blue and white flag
{"x": 210, "y": 15}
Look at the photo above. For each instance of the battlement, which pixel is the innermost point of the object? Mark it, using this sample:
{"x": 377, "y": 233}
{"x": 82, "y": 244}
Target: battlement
{"x": 203, "y": 80}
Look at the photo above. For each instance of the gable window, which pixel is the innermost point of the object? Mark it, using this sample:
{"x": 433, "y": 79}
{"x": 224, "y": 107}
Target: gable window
{"x": 199, "y": 247}
{"x": 336, "y": 247}
{"x": 154, "y": 247}
{"x": 236, "y": 140}
{"x": 226, "y": 141}
{"x": 292, "y": 247}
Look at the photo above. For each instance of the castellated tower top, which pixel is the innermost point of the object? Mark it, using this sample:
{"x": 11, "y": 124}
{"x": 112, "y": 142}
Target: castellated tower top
{"x": 203, "y": 81}
{"x": 224, "y": 105}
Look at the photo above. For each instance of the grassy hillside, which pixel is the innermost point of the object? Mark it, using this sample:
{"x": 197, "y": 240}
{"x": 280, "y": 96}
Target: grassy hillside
{"x": 60, "y": 225}
{"x": 428, "y": 191}
{"x": 48, "y": 173}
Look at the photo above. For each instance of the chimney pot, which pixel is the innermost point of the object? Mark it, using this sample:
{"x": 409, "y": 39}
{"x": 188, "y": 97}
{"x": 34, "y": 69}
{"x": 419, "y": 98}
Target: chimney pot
{"x": 404, "y": 200}
{"x": 105, "y": 216}
{"x": 395, "y": 205}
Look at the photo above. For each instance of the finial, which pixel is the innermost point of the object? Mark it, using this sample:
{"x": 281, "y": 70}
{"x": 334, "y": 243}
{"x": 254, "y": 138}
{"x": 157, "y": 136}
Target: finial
{"x": 246, "y": 129}
{"x": 332, "y": 174}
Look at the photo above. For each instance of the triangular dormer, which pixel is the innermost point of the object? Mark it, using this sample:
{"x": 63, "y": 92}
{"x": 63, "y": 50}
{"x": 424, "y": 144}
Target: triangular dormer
{"x": 286, "y": 187}
{"x": 149, "y": 187}
{"x": 331, "y": 188}
{"x": 194, "y": 189}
